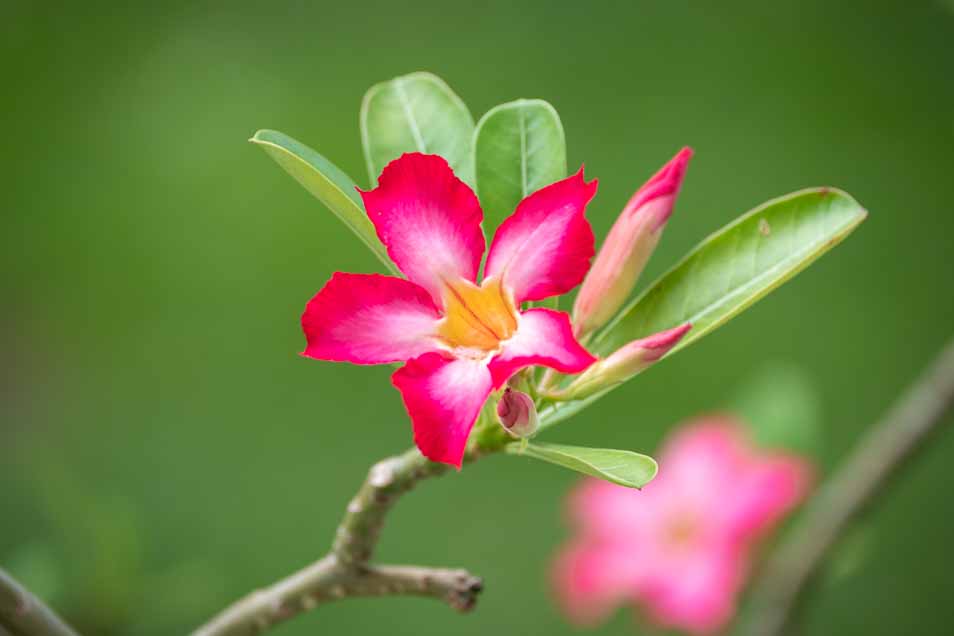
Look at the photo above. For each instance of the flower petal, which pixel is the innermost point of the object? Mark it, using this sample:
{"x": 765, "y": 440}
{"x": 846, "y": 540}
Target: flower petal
{"x": 607, "y": 513}
{"x": 698, "y": 596}
{"x": 544, "y": 337}
{"x": 443, "y": 396}
{"x": 770, "y": 487}
{"x": 591, "y": 579}
{"x": 699, "y": 454}
{"x": 369, "y": 319}
{"x": 758, "y": 487}
{"x": 428, "y": 219}
{"x": 544, "y": 248}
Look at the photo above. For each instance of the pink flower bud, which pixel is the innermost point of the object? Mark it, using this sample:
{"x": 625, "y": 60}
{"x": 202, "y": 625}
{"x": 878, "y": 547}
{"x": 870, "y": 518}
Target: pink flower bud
{"x": 624, "y": 363}
{"x": 517, "y": 413}
{"x": 628, "y": 247}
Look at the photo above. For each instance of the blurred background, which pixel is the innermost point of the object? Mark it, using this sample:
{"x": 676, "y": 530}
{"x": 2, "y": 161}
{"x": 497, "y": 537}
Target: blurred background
{"x": 163, "y": 448}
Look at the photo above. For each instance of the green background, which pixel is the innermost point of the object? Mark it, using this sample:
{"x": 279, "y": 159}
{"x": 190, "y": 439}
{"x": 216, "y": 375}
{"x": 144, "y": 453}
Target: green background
{"x": 163, "y": 448}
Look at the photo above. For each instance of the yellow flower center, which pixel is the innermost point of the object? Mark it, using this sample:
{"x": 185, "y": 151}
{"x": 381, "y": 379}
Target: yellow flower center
{"x": 477, "y": 317}
{"x": 682, "y": 531}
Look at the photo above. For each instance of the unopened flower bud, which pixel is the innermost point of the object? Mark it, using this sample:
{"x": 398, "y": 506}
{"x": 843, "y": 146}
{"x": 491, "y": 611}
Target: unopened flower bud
{"x": 628, "y": 247}
{"x": 517, "y": 413}
{"x": 624, "y": 363}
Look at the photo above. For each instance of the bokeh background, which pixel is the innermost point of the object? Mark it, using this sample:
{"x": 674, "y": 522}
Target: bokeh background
{"x": 163, "y": 448}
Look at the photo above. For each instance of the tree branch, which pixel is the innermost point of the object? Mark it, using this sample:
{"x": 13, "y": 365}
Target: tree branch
{"x": 23, "y": 614}
{"x": 344, "y": 572}
{"x": 358, "y": 532}
{"x": 902, "y": 431}
{"x": 329, "y": 580}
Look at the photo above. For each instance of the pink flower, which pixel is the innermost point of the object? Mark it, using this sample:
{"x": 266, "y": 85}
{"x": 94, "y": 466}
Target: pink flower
{"x": 681, "y": 546}
{"x": 461, "y": 340}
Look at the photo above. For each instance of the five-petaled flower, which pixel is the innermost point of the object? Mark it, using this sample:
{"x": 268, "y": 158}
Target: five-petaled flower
{"x": 461, "y": 339}
{"x": 681, "y": 546}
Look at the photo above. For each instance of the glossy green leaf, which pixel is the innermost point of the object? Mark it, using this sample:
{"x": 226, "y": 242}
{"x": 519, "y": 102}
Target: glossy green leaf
{"x": 416, "y": 113}
{"x": 625, "y": 468}
{"x": 738, "y": 265}
{"x": 327, "y": 182}
{"x": 519, "y": 148}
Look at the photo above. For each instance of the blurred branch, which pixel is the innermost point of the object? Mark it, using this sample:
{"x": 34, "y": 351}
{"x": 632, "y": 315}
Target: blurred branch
{"x": 902, "y": 431}
{"x": 344, "y": 572}
{"x": 23, "y": 614}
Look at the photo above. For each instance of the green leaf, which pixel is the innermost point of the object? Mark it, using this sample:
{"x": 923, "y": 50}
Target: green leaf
{"x": 519, "y": 148}
{"x": 416, "y": 113}
{"x": 327, "y": 182}
{"x": 782, "y": 407}
{"x": 625, "y": 468}
{"x": 738, "y": 265}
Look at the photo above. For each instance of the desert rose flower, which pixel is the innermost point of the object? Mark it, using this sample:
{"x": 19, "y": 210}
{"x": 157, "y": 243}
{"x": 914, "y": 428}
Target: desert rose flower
{"x": 681, "y": 547}
{"x": 627, "y": 247}
{"x": 461, "y": 339}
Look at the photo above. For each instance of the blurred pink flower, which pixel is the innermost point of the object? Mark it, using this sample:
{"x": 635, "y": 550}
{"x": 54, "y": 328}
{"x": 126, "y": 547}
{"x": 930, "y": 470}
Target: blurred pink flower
{"x": 681, "y": 546}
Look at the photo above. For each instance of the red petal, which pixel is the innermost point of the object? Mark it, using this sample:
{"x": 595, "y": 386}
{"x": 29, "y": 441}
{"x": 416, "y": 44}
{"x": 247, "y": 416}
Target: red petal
{"x": 761, "y": 486}
{"x": 544, "y": 248}
{"x": 698, "y": 595}
{"x": 588, "y": 584}
{"x": 428, "y": 219}
{"x": 443, "y": 396}
{"x": 767, "y": 491}
{"x": 543, "y": 337}
{"x": 369, "y": 319}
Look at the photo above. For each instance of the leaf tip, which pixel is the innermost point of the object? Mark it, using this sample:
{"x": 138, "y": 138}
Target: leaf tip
{"x": 259, "y": 136}
{"x": 653, "y": 472}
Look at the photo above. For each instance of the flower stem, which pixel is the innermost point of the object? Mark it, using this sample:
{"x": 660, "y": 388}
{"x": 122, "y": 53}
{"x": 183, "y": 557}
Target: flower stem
{"x": 23, "y": 614}
{"x": 357, "y": 534}
{"x": 345, "y": 571}
{"x": 888, "y": 447}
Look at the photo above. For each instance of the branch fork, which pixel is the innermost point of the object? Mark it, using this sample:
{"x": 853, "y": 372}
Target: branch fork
{"x": 346, "y": 571}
